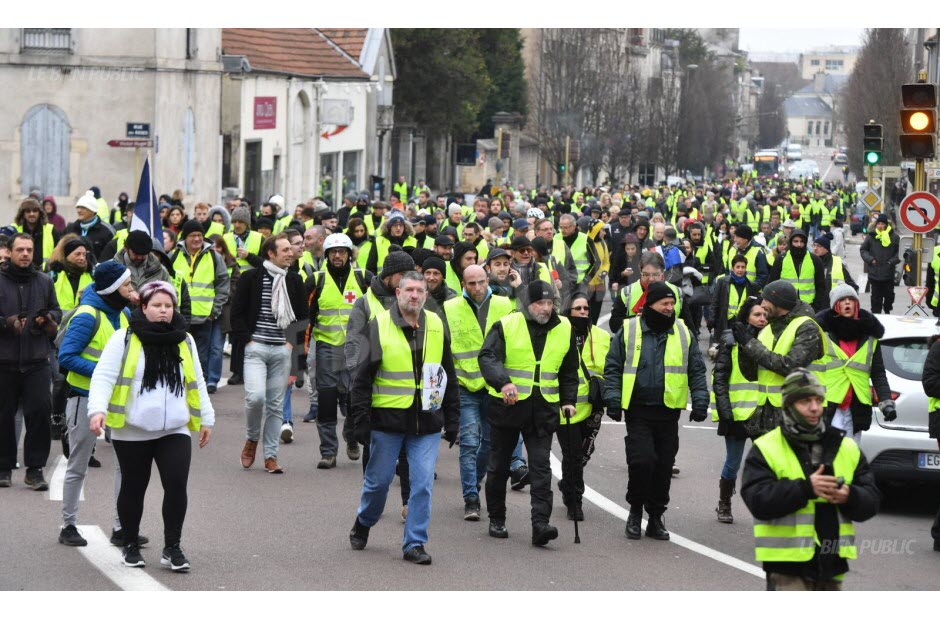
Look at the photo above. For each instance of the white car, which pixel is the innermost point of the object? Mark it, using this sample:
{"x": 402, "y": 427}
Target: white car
{"x": 901, "y": 451}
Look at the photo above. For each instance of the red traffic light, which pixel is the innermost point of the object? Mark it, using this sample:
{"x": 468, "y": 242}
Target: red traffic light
{"x": 919, "y": 95}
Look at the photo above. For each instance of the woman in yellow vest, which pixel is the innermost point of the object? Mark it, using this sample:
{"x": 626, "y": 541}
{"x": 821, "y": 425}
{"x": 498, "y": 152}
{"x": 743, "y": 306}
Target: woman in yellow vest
{"x": 734, "y": 399}
{"x": 70, "y": 270}
{"x": 149, "y": 389}
{"x": 805, "y": 483}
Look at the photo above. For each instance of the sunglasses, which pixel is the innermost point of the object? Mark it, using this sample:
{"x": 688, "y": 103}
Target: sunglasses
{"x": 583, "y": 308}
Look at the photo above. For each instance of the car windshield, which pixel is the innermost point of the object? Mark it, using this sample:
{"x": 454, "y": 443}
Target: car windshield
{"x": 905, "y": 358}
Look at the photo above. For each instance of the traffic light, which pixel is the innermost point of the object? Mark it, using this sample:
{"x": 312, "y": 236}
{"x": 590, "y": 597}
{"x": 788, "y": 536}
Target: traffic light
{"x": 872, "y": 143}
{"x": 918, "y": 121}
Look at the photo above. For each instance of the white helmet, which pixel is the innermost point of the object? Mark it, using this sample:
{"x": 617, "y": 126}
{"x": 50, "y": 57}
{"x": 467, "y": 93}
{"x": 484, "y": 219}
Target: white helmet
{"x": 337, "y": 240}
{"x": 535, "y": 212}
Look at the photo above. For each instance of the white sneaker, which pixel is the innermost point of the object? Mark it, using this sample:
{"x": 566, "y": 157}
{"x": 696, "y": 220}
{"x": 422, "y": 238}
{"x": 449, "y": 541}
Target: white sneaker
{"x": 287, "y": 433}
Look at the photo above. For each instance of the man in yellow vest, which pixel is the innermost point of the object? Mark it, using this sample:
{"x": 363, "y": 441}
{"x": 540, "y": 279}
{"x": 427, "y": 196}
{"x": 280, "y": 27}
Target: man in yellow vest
{"x": 71, "y": 276}
{"x": 403, "y": 393}
{"x": 332, "y": 293}
{"x": 835, "y": 271}
{"x": 401, "y": 188}
{"x": 529, "y": 361}
{"x": 31, "y": 219}
{"x": 803, "y": 270}
{"x": 586, "y": 262}
{"x": 469, "y": 318}
{"x": 806, "y": 483}
{"x": 654, "y": 367}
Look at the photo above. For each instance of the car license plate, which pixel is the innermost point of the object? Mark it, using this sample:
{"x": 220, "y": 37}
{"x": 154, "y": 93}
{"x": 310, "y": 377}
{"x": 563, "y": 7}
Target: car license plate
{"x": 928, "y": 460}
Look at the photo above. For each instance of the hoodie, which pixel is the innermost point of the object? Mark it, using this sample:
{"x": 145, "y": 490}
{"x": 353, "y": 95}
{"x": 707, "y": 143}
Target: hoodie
{"x": 79, "y": 333}
{"x": 57, "y": 221}
{"x": 226, "y": 218}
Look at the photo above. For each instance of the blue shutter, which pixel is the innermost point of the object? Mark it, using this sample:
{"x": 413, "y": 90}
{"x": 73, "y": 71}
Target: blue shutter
{"x": 45, "y": 145}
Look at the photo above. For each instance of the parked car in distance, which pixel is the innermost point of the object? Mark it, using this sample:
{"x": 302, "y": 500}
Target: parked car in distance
{"x": 841, "y": 158}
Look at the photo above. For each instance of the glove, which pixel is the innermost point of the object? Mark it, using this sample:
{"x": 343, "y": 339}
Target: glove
{"x": 698, "y": 415}
{"x": 727, "y": 338}
{"x": 362, "y": 433}
{"x": 888, "y": 410}
{"x": 615, "y": 413}
{"x": 450, "y": 436}
{"x": 713, "y": 352}
{"x": 742, "y": 335}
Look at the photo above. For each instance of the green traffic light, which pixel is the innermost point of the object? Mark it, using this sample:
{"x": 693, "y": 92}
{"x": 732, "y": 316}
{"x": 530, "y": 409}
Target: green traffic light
{"x": 872, "y": 158}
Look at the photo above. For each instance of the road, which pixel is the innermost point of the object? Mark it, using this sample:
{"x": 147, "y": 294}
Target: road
{"x": 249, "y": 530}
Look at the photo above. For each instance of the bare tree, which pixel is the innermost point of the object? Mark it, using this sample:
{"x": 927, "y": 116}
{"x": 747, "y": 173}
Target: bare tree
{"x": 771, "y": 124}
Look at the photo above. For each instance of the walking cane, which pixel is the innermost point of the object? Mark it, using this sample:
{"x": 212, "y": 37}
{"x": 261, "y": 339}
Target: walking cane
{"x": 577, "y": 537}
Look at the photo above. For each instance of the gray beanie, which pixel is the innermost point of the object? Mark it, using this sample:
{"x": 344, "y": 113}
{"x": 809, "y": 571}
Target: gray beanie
{"x": 396, "y": 262}
{"x": 842, "y": 291}
{"x": 782, "y": 294}
{"x": 241, "y": 214}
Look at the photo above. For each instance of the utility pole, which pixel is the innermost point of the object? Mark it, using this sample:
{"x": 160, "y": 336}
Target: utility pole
{"x": 567, "y": 156}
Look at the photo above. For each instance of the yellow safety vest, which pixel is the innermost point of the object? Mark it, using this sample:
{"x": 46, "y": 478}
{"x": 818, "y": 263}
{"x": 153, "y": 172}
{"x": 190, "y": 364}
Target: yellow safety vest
{"x": 119, "y": 238}
{"x": 67, "y": 298}
{"x": 844, "y": 372}
{"x": 450, "y": 277}
{"x": 281, "y": 224}
{"x": 374, "y": 306}
{"x": 632, "y": 293}
{"x": 215, "y": 228}
{"x": 47, "y": 242}
{"x": 751, "y": 256}
{"x": 593, "y": 355}
{"x": 402, "y": 190}
{"x": 935, "y": 265}
{"x": 200, "y": 277}
{"x": 804, "y": 282}
{"x": 252, "y": 244}
{"x": 133, "y": 352}
{"x": 335, "y": 307}
{"x": 838, "y": 272}
{"x": 793, "y": 538}
{"x": 735, "y": 298}
{"x": 743, "y": 394}
{"x": 466, "y": 337}
{"x": 520, "y": 363}
{"x": 397, "y": 382}
{"x": 95, "y": 346}
{"x": 676, "y": 362}
{"x": 769, "y": 381}
{"x": 579, "y": 253}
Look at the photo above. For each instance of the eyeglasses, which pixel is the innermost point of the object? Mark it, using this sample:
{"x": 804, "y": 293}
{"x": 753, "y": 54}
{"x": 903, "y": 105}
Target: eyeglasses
{"x": 581, "y": 308}
{"x": 526, "y": 251}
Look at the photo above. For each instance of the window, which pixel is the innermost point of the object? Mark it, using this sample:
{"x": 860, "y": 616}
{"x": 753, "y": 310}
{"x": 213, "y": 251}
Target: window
{"x": 826, "y": 128}
{"x": 327, "y": 174}
{"x": 350, "y": 171}
{"x": 905, "y": 358}
{"x": 818, "y": 127}
{"x": 45, "y": 144}
{"x": 814, "y": 62}
{"x": 47, "y": 40}
{"x": 809, "y": 127}
{"x": 833, "y": 65}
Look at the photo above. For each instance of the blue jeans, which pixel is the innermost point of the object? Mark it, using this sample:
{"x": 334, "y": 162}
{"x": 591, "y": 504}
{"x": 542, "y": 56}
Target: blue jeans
{"x": 288, "y": 417}
{"x": 266, "y": 370}
{"x": 517, "y": 459}
{"x": 209, "y": 341}
{"x": 474, "y": 440}
{"x": 734, "y": 451}
{"x": 422, "y": 457}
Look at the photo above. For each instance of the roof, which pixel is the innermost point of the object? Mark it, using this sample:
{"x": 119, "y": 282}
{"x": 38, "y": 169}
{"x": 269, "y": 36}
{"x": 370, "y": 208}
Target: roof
{"x": 295, "y": 51}
{"x": 806, "y": 106}
{"x": 350, "y": 39}
{"x": 833, "y": 85}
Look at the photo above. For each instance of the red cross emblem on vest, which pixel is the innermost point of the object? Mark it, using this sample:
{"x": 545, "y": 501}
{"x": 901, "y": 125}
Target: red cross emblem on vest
{"x": 350, "y": 297}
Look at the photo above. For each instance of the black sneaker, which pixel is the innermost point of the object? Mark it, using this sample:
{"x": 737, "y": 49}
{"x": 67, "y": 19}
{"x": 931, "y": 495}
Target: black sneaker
{"x": 519, "y": 478}
{"x": 117, "y": 539}
{"x": 35, "y": 480}
{"x": 132, "y": 557}
{"x": 211, "y": 389}
{"x": 174, "y": 558}
{"x": 358, "y": 536}
{"x": 6, "y": 478}
{"x": 93, "y": 462}
{"x": 70, "y": 537}
{"x": 498, "y": 529}
{"x": 542, "y": 533}
{"x": 471, "y": 508}
{"x": 236, "y": 379}
{"x": 417, "y": 555}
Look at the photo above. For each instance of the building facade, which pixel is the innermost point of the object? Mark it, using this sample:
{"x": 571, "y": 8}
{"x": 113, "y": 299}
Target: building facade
{"x": 831, "y": 60}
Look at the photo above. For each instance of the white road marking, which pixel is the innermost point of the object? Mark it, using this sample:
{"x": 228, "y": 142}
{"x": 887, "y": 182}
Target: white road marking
{"x": 701, "y": 428}
{"x": 107, "y": 558}
{"x": 57, "y": 482}
{"x": 621, "y": 513}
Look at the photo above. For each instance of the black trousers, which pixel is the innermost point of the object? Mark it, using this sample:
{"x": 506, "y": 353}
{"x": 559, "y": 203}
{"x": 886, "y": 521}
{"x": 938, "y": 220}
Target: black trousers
{"x": 882, "y": 296}
{"x": 571, "y": 438}
{"x": 236, "y": 363}
{"x": 935, "y": 530}
{"x": 651, "y": 452}
{"x": 538, "y": 445}
{"x": 29, "y": 388}
{"x": 172, "y": 455}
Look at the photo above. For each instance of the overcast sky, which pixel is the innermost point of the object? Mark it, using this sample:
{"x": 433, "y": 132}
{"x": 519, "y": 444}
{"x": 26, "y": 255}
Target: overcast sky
{"x": 796, "y": 40}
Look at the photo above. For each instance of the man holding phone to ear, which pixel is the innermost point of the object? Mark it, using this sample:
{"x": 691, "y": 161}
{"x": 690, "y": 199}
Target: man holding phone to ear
{"x": 29, "y": 317}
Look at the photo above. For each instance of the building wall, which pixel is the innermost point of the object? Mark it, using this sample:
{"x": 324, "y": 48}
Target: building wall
{"x": 797, "y": 126}
{"x": 812, "y": 63}
{"x": 108, "y": 80}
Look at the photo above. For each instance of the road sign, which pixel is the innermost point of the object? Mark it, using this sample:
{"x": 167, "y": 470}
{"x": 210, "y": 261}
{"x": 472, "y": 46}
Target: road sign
{"x": 870, "y": 199}
{"x": 917, "y": 311}
{"x": 138, "y": 130}
{"x": 887, "y": 171}
{"x": 917, "y": 294}
{"x": 131, "y": 144}
{"x": 920, "y": 212}
{"x": 933, "y": 173}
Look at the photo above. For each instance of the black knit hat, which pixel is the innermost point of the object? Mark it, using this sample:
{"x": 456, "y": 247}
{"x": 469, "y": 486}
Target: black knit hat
{"x": 419, "y": 255}
{"x": 744, "y": 231}
{"x": 539, "y": 290}
{"x": 396, "y": 262}
{"x": 139, "y": 241}
{"x": 73, "y": 244}
{"x": 782, "y": 294}
{"x": 189, "y": 228}
{"x": 434, "y": 262}
{"x": 657, "y": 291}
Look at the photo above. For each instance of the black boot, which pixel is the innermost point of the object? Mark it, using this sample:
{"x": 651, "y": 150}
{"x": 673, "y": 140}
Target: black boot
{"x": 542, "y": 533}
{"x": 358, "y": 536}
{"x": 655, "y": 528}
{"x": 725, "y": 491}
{"x": 634, "y": 522}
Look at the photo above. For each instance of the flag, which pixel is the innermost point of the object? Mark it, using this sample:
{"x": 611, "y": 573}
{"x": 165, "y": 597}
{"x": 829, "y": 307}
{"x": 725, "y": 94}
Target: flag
{"x": 146, "y": 210}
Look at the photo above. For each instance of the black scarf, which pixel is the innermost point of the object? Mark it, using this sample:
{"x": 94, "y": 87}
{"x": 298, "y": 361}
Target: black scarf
{"x": 19, "y": 274}
{"x": 846, "y": 330}
{"x": 657, "y": 321}
{"x": 161, "y": 350}
{"x": 581, "y": 325}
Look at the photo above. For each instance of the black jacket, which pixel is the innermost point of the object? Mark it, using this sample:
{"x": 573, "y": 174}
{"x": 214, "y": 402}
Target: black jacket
{"x": 880, "y": 260}
{"x": 821, "y": 299}
{"x": 931, "y": 383}
{"x": 720, "y": 299}
{"x": 410, "y": 421}
{"x": 768, "y": 497}
{"x": 98, "y": 235}
{"x": 721, "y": 379}
{"x": 826, "y": 262}
{"x": 870, "y": 327}
{"x": 534, "y": 411}
{"x": 247, "y": 303}
{"x": 25, "y": 295}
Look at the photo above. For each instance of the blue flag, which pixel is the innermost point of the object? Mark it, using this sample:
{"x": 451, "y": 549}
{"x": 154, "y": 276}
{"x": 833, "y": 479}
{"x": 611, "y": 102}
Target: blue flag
{"x": 146, "y": 210}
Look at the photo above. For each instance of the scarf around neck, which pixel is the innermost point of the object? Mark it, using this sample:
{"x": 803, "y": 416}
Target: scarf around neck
{"x": 280, "y": 302}
{"x": 160, "y": 342}
{"x": 884, "y": 236}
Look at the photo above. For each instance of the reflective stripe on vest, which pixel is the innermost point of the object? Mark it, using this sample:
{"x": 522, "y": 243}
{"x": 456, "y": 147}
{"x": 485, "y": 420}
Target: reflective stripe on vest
{"x": 769, "y": 381}
{"x": 66, "y": 297}
{"x": 335, "y": 307}
{"x": 396, "y": 385}
{"x": 593, "y": 355}
{"x": 201, "y": 281}
{"x": 95, "y": 346}
{"x": 844, "y": 372}
{"x": 466, "y": 338}
{"x": 804, "y": 282}
{"x": 676, "y": 364}
{"x": 793, "y": 538}
{"x": 837, "y": 274}
{"x": 743, "y": 394}
{"x": 520, "y": 363}
{"x": 252, "y": 244}
{"x": 133, "y": 351}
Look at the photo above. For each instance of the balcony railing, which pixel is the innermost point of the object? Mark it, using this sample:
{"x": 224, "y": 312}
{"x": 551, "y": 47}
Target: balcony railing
{"x": 47, "y": 40}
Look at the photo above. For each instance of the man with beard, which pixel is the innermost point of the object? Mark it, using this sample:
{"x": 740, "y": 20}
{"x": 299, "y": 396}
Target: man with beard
{"x": 425, "y": 238}
{"x": 503, "y": 278}
{"x": 332, "y": 294}
{"x": 653, "y": 368}
{"x": 433, "y": 269}
{"x": 529, "y": 360}
{"x": 525, "y": 263}
{"x": 404, "y": 392}
{"x": 465, "y": 254}
{"x": 444, "y": 248}
{"x": 312, "y": 259}
{"x": 805, "y": 473}
{"x": 31, "y": 219}
{"x": 803, "y": 270}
